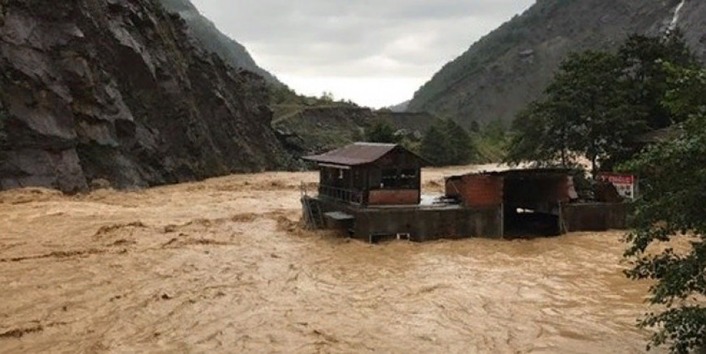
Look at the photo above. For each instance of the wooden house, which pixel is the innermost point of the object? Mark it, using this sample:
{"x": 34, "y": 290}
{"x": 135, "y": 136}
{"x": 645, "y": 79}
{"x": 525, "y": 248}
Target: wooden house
{"x": 370, "y": 174}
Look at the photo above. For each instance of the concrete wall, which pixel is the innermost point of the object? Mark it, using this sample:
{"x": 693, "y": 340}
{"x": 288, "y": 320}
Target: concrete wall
{"x": 454, "y": 222}
{"x": 595, "y": 216}
{"x": 429, "y": 224}
{"x": 422, "y": 224}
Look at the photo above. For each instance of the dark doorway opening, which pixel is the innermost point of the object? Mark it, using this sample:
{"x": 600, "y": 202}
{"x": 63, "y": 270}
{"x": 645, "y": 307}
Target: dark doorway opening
{"x": 527, "y": 223}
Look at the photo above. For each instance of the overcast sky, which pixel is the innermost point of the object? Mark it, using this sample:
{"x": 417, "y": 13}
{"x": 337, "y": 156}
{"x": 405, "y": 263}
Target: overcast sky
{"x": 374, "y": 52}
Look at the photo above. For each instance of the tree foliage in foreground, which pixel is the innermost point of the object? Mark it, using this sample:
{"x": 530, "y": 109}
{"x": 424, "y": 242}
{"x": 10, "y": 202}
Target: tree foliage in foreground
{"x": 598, "y": 102}
{"x": 672, "y": 206}
{"x": 646, "y": 78}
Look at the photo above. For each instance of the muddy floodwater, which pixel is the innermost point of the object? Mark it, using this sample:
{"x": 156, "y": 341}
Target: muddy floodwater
{"x": 222, "y": 266}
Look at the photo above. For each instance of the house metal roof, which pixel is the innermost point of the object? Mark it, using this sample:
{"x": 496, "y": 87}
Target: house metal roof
{"x": 355, "y": 154}
{"x": 519, "y": 172}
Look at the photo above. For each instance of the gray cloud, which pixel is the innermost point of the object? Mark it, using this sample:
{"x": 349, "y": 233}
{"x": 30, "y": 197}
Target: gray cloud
{"x": 406, "y": 40}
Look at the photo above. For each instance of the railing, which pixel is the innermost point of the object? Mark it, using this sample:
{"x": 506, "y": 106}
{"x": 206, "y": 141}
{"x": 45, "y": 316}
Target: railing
{"x": 342, "y": 194}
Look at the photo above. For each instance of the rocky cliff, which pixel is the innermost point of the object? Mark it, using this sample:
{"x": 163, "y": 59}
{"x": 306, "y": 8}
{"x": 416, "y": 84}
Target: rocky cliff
{"x": 511, "y": 66}
{"x": 210, "y": 38}
{"x": 116, "y": 90}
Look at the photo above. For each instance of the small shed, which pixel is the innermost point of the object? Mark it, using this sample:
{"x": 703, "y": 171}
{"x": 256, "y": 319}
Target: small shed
{"x": 370, "y": 174}
{"x": 531, "y": 198}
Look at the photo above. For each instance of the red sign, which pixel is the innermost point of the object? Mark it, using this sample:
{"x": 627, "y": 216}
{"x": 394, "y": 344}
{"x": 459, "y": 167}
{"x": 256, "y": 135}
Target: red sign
{"x": 624, "y": 184}
{"x": 617, "y": 178}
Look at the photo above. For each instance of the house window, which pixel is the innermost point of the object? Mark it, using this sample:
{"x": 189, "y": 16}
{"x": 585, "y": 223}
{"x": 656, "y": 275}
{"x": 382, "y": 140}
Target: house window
{"x": 411, "y": 173}
{"x": 399, "y": 179}
{"x": 408, "y": 179}
{"x": 390, "y": 179}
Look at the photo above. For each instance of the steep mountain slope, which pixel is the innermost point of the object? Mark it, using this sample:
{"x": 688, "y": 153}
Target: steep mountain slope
{"x": 116, "y": 90}
{"x": 214, "y": 40}
{"x": 511, "y": 66}
{"x": 401, "y": 107}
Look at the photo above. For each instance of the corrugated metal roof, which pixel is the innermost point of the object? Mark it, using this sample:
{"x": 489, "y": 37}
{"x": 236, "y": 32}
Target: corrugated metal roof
{"x": 354, "y": 154}
{"x": 507, "y": 171}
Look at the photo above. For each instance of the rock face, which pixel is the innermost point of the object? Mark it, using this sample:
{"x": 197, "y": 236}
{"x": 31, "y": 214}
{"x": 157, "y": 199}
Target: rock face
{"x": 214, "y": 40}
{"x": 504, "y": 71}
{"x": 116, "y": 90}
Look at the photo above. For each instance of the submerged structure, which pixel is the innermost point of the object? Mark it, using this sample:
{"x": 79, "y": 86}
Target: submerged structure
{"x": 373, "y": 192}
{"x": 370, "y": 174}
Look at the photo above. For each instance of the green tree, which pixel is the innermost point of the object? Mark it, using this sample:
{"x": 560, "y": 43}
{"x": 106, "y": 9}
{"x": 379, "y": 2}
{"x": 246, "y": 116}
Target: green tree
{"x": 446, "y": 143}
{"x": 475, "y": 126}
{"x": 537, "y": 138}
{"x": 435, "y": 147}
{"x": 597, "y": 102}
{"x": 672, "y": 207}
{"x": 495, "y": 130}
{"x": 282, "y": 94}
{"x": 589, "y": 105}
{"x": 582, "y": 113}
{"x": 646, "y": 78}
{"x": 461, "y": 148}
{"x": 382, "y": 132}
{"x": 358, "y": 134}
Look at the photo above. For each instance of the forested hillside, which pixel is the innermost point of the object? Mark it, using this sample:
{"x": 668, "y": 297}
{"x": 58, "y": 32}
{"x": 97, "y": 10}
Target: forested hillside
{"x": 510, "y": 67}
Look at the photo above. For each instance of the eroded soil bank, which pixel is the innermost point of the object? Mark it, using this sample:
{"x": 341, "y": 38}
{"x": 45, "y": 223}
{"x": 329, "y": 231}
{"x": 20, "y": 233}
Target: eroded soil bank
{"x": 221, "y": 265}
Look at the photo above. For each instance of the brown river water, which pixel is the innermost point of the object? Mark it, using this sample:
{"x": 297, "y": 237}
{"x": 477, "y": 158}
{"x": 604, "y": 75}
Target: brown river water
{"x": 222, "y": 266}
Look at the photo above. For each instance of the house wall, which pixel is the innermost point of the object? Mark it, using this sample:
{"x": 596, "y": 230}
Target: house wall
{"x": 529, "y": 190}
{"x": 595, "y": 216}
{"x": 422, "y": 224}
{"x": 379, "y": 193}
{"x": 476, "y": 190}
{"x": 394, "y": 197}
{"x": 334, "y": 177}
{"x": 429, "y": 224}
{"x": 537, "y": 192}
{"x": 370, "y": 181}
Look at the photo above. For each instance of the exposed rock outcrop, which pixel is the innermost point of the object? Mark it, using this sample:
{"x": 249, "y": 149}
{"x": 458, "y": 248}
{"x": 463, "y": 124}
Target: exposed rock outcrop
{"x": 115, "y": 90}
{"x": 214, "y": 40}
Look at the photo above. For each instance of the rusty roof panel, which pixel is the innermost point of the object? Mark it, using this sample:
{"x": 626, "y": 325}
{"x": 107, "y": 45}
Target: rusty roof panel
{"x": 354, "y": 154}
